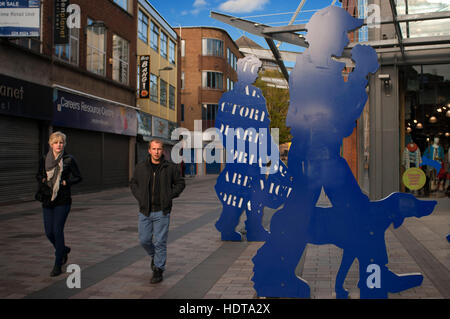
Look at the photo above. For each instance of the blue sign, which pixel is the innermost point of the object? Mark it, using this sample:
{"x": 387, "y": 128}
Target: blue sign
{"x": 19, "y": 18}
{"x": 71, "y": 110}
{"x": 323, "y": 110}
{"x": 25, "y": 99}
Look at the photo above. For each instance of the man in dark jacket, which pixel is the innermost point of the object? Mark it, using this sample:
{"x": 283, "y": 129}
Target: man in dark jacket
{"x": 155, "y": 183}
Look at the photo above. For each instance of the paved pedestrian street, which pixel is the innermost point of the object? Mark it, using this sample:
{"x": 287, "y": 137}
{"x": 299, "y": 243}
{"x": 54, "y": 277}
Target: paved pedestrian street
{"x": 102, "y": 232}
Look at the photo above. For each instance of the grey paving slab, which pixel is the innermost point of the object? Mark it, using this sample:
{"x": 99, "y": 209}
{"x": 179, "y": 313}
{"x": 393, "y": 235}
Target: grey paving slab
{"x": 102, "y": 230}
{"x": 201, "y": 279}
{"x": 111, "y": 265}
{"x": 432, "y": 268}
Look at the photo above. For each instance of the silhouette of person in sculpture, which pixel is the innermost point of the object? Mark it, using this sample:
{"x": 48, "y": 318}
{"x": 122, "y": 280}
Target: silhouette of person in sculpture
{"x": 242, "y": 185}
{"x": 323, "y": 110}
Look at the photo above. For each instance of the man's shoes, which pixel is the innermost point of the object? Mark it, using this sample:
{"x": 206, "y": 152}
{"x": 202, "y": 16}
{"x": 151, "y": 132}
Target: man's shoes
{"x": 65, "y": 257}
{"x": 157, "y": 276}
{"x": 56, "y": 271}
{"x": 153, "y": 265}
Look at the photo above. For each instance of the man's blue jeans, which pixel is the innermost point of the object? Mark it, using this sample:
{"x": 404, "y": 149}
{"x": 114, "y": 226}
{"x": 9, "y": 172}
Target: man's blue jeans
{"x": 153, "y": 233}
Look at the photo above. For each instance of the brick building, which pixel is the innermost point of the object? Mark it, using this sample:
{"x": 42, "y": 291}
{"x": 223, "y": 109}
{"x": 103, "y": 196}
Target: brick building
{"x": 208, "y": 69}
{"x": 85, "y": 88}
{"x": 158, "y": 44}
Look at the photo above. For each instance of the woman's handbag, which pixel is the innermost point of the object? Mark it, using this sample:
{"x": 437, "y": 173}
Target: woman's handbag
{"x": 44, "y": 193}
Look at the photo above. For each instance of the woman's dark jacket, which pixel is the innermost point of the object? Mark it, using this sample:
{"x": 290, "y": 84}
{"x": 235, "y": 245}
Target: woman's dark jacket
{"x": 71, "y": 174}
{"x": 167, "y": 178}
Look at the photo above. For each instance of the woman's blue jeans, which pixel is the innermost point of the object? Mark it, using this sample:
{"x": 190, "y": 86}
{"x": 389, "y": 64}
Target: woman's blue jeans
{"x": 54, "y": 221}
{"x": 153, "y": 233}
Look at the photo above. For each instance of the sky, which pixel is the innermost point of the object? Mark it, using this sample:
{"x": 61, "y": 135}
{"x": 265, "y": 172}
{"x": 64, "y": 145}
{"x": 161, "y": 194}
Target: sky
{"x": 276, "y": 13}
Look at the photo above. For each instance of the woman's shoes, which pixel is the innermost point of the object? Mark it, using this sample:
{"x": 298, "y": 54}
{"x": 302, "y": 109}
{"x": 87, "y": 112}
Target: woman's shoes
{"x": 65, "y": 257}
{"x": 56, "y": 271}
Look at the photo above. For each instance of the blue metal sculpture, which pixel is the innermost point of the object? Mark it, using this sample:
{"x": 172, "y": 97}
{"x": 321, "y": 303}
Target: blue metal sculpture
{"x": 323, "y": 110}
{"x": 248, "y": 182}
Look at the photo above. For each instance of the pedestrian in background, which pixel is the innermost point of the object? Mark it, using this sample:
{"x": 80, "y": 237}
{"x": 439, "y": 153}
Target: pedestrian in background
{"x": 58, "y": 171}
{"x": 155, "y": 183}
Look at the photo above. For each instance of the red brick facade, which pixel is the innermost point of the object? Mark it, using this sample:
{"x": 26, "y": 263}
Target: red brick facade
{"x": 193, "y": 95}
{"x": 117, "y": 21}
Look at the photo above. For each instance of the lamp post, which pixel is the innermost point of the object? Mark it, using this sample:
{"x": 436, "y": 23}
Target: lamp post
{"x": 166, "y": 68}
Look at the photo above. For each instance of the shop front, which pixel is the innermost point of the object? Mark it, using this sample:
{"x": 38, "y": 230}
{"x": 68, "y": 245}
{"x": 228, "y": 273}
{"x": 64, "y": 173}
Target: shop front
{"x": 100, "y": 135}
{"x": 425, "y": 125}
{"x": 144, "y": 135}
{"x": 25, "y": 113}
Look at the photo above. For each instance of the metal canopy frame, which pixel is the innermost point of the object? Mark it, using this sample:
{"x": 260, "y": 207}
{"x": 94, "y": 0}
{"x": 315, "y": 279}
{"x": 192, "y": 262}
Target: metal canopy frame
{"x": 398, "y": 31}
{"x": 289, "y": 34}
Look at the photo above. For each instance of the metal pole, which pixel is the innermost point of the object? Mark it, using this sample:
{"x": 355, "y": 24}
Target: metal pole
{"x": 300, "y": 6}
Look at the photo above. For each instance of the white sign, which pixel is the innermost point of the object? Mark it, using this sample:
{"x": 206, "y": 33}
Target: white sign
{"x": 19, "y": 18}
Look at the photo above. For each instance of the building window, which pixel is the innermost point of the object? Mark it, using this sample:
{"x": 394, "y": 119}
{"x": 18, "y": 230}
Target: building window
{"x": 171, "y": 97}
{"x": 122, "y": 3}
{"x": 154, "y": 40}
{"x": 232, "y": 60}
{"x": 31, "y": 43}
{"x": 171, "y": 52}
{"x": 163, "y": 45}
{"x": 212, "y": 47}
{"x": 182, "y": 112}
{"x": 163, "y": 92}
{"x": 183, "y": 48}
{"x": 209, "y": 112}
{"x": 69, "y": 52}
{"x": 153, "y": 88}
{"x": 230, "y": 84}
{"x": 96, "y": 48}
{"x": 138, "y": 72}
{"x": 120, "y": 60}
{"x": 182, "y": 80}
{"x": 212, "y": 80}
{"x": 142, "y": 26}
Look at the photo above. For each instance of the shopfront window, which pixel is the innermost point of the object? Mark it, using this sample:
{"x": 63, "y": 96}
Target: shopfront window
{"x": 425, "y": 118}
{"x": 430, "y": 28}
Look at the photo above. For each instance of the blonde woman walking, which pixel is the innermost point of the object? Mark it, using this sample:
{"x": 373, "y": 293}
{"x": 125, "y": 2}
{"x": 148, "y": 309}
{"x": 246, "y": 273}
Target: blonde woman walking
{"x": 58, "y": 171}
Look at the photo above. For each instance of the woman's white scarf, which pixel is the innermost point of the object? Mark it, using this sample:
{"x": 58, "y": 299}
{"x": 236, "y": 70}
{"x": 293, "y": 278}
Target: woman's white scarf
{"x": 53, "y": 168}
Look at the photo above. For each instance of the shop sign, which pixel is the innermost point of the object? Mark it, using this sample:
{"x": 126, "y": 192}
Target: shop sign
{"x": 71, "y": 110}
{"x": 22, "y": 98}
{"x": 20, "y": 18}
{"x": 144, "y": 79}
{"x": 414, "y": 178}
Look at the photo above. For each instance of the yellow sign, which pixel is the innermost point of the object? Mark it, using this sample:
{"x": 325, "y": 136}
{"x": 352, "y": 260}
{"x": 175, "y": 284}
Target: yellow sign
{"x": 414, "y": 178}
